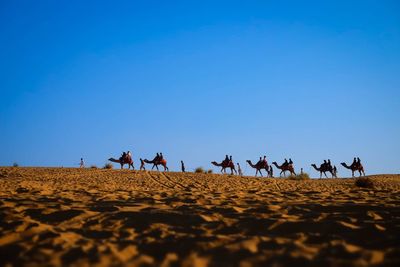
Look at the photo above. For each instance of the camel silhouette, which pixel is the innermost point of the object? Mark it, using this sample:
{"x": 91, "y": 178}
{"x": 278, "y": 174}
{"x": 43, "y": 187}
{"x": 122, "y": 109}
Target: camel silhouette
{"x": 354, "y": 167}
{"x": 225, "y": 165}
{"x": 260, "y": 166}
{"x": 323, "y": 169}
{"x": 284, "y": 168}
{"x": 155, "y": 163}
{"x": 128, "y": 160}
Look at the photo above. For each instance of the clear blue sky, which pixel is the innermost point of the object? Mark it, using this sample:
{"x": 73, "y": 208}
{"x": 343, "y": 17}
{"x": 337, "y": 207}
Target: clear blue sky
{"x": 200, "y": 79}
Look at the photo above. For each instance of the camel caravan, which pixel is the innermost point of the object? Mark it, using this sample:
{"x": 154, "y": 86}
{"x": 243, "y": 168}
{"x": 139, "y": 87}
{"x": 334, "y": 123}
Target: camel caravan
{"x": 262, "y": 164}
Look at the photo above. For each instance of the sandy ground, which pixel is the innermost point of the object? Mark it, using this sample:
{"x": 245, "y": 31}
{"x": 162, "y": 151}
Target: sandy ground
{"x": 61, "y": 216}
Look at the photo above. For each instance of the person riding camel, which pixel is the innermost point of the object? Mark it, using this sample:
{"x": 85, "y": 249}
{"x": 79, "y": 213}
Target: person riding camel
{"x": 358, "y": 162}
{"x": 161, "y": 157}
{"x": 123, "y": 157}
{"x": 290, "y": 162}
{"x": 354, "y": 162}
{"x": 264, "y": 161}
{"x": 324, "y": 164}
{"x": 286, "y": 163}
{"x": 329, "y": 164}
{"x": 156, "y": 158}
{"x": 260, "y": 161}
{"x": 226, "y": 160}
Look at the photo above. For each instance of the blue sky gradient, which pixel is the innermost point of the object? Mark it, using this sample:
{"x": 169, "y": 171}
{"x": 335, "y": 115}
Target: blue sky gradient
{"x": 196, "y": 80}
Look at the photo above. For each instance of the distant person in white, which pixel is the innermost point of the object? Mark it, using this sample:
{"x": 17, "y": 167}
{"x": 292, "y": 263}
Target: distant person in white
{"x": 239, "y": 170}
{"x": 82, "y": 164}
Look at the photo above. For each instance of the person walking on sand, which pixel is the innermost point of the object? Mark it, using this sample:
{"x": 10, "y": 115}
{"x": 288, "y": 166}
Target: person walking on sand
{"x": 239, "y": 170}
{"x": 182, "y": 166}
{"x": 82, "y": 164}
{"x": 142, "y": 164}
{"x": 271, "y": 171}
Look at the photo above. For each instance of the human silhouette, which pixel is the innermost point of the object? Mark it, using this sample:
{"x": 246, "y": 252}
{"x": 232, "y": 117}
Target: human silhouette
{"x": 182, "y": 166}
{"x": 285, "y": 163}
{"x": 82, "y": 164}
{"x": 239, "y": 170}
{"x": 142, "y": 167}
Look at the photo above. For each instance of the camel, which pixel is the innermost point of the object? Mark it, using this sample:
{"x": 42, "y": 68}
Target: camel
{"x": 225, "y": 165}
{"x": 323, "y": 169}
{"x": 259, "y": 166}
{"x": 155, "y": 163}
{"x": 284, "y": 168}
{"x": 127, "y": 160}
{"x": 354, "y": 167}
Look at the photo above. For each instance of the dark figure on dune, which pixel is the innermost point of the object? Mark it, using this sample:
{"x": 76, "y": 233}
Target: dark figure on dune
{"x": 286, "y": 166}
{"x": 355, "y": 166}
{"x": 182, "y": 166}
{"x": 142, "y": 167}
{"x": 158, "y": 160}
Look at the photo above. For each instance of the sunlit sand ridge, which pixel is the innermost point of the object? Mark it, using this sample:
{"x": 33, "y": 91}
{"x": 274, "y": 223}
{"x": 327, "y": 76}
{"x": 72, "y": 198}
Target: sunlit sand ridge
{"x": 112, "y": 217}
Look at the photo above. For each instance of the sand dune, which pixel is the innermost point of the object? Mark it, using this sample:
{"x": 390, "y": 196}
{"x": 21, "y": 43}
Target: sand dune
{"x": 54, "y": 216}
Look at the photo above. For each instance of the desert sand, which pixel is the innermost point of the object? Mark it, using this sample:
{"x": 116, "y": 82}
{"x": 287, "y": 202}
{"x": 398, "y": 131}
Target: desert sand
{"x": 96, "y": 217}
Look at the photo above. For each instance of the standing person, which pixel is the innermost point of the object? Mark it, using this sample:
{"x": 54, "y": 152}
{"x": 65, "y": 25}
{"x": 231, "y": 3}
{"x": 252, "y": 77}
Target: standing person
{"x": 142, "y": 164}
{"x": 271, "y": 171}
{"x": 182, "y": 166}
{"x": 82, "y": 164}
{"x": 239, "y": 170}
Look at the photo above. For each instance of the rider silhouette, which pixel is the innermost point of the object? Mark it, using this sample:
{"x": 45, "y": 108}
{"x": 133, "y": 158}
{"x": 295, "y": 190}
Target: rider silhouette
{"x": 226, "y": 160}
{"x": 290, "y": 162}
{"x": 354, "y": 162}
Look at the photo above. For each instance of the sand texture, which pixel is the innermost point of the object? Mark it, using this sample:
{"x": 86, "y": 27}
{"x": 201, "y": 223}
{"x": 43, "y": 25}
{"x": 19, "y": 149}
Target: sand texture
{"x": 82, "y": 217}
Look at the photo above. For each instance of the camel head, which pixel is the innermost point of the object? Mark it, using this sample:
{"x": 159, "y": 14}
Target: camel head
{"x": 344, "y": 165}
{"x": 214, "y": 163}
{"x": 248, "y": 161}
{"x": 274, "y": 162}
{"x": 313, "y": 165}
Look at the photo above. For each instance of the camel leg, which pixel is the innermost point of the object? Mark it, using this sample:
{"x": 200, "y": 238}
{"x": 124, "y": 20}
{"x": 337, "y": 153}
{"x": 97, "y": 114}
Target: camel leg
{"x": 325, "y": 175}
{"x": 280, "y": 174}
{"x": 320, "y": 175}
{"x": 122, "y": 166}
{"x": 260, "y": 173}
